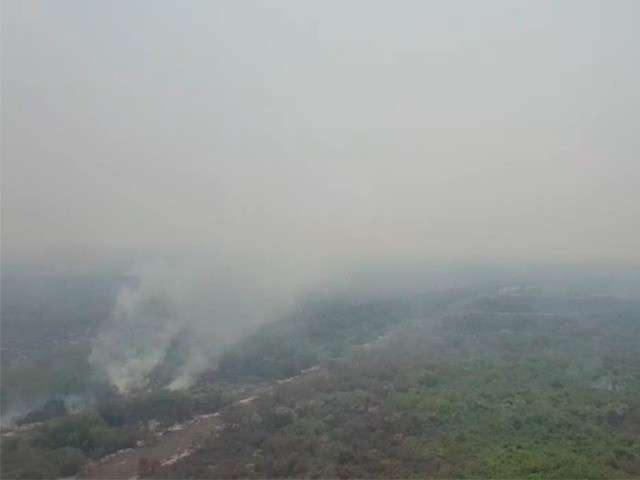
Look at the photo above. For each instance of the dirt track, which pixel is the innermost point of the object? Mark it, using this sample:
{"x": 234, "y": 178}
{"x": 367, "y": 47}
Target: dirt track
{"x": 169, "y": 447}
{"x": 174, "y": 445}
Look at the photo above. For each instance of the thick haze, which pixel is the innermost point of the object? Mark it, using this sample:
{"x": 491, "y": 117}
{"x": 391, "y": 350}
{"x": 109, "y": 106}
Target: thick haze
{"x": 265, "y": 147}
{"x": 299, "y": 131}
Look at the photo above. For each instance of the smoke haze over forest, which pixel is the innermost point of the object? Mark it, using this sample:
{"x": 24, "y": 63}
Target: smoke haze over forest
{"x": 419, "y": 217}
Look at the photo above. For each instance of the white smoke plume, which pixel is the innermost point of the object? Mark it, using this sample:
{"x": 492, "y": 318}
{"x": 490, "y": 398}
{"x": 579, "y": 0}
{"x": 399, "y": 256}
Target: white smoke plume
{"x": 204, "y": 305}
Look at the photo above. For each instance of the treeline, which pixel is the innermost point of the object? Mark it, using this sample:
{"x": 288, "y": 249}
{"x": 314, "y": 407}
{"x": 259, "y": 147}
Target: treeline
{"x": 323, "y": 329}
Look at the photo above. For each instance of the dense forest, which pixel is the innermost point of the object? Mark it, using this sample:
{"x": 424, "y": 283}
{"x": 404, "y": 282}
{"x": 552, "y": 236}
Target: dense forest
{"x": 454, "y": 383}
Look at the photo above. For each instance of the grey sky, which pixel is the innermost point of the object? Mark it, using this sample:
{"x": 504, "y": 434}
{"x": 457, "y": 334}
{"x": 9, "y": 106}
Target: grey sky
{"x": 322, "y": 129}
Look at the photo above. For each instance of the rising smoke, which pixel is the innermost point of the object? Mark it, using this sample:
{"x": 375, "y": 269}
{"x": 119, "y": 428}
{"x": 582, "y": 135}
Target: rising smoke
{"x": 202, "y": 306}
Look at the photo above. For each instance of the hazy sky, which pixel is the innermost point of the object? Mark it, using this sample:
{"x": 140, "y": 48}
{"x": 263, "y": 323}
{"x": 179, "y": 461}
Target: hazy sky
{"x": 322, "y": 129}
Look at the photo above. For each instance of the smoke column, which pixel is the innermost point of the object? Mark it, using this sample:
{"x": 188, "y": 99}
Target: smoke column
{"x": 208, "y": 305}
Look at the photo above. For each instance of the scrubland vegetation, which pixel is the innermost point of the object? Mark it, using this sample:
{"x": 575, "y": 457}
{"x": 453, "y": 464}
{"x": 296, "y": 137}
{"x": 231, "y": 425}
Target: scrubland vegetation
{"x": 61, "y": 446}
{"x": 454, "y": 384}
{"x": 501, "y": 390}
{"x": 451, "y": 384}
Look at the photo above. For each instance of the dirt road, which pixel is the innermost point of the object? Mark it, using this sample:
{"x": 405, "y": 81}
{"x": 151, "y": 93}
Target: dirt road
{"x": 171, "y": 446}
{"x": 176, "y": 444}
